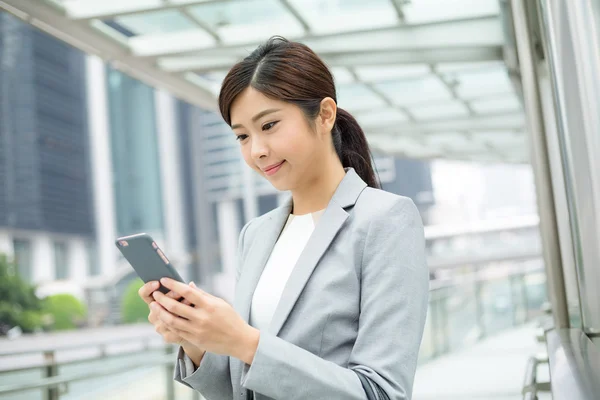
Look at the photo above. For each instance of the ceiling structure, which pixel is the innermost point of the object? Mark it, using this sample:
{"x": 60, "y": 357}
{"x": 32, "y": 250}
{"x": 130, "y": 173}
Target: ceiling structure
{"x": 425, "y": 78}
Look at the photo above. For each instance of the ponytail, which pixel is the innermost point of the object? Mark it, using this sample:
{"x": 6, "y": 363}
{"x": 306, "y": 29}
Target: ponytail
{"x": 352, "y": 148}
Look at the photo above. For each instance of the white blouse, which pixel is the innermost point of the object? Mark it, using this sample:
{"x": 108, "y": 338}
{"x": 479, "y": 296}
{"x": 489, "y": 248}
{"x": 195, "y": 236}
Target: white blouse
{"x": 278, "y": 269}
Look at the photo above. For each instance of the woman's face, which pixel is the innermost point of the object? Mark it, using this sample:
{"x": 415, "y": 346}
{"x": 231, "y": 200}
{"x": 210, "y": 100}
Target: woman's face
{"x": 277, "y": 141}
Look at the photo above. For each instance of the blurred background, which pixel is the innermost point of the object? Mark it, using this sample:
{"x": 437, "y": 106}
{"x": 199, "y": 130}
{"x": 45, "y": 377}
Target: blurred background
{"x": 479, "y": 110}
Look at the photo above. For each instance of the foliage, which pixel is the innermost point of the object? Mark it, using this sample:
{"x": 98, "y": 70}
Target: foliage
{"x": 66, "y": 310}
{"x": 19, "y": 306}
{"x": 133, "y": 308}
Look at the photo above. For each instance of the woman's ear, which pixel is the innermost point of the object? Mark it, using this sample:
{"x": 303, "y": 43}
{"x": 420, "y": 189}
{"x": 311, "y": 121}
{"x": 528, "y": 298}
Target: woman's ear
{"x": 327, "y": 115}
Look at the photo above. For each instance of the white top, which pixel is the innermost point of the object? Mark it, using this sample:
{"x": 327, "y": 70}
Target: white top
{"x": 278, "y": 269}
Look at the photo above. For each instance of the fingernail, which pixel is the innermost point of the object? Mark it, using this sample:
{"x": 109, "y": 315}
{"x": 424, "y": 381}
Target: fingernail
{"x": 155, "y": 285}
{"x": 153, "y": 305}
{"x": 192, "y": 284}
{"x": 164, "y": 281}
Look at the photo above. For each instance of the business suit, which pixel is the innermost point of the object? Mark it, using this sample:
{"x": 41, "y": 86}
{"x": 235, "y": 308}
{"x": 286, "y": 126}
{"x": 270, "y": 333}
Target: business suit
{"x": 351, "y": 316}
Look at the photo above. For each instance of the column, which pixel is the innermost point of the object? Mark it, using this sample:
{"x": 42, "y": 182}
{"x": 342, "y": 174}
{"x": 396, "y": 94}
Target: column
{"x": 170, "y": 173}
{"x": 229, "y": 222}
{"x": 6, "y": 244}
{"x": 77, "y": 260}
{"x": 100, "y": 155}
{"x": 43, "y": 259}
{"x": 249, "y": 191}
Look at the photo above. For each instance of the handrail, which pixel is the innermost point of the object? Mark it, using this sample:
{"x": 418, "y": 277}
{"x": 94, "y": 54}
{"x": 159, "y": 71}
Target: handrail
{"x": 103, "y": 356}
{"x": 64, "y": 379}
{"x": 151, "y": 335}
{"x": 574, "y": 365}
{"x": 531, "y": 386}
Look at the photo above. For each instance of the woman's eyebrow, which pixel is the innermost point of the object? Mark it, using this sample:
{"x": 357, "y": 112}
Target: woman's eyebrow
{"x": 258, "y": 116}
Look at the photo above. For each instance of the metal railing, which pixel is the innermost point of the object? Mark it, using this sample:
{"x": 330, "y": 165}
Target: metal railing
{"x": 574, "y": 362}
{"x": 484, "y": 301}
{"x": 481, "y": 302}
{"x": 531, "y": 386}
{"x": 54, "y": 385}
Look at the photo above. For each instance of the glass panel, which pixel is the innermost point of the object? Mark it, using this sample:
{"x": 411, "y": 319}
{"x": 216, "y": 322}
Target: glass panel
{"x": 507, "y": 141}
{"x": 248, "y": 20}
{"x": 381, "y": 117}
{"x": 156, "y": 22}
{"x": 61, "y": 266}
{"x": 496, "y": 105}
{"x": 94, "y": 265}
{"x": 328, "y": 16}
{"x": 414, "y": 91}
{"x": 384, "y": 73}
{"x": 421, "y": 11}
{"x": 23, "y": 259}
{"x": 357, "y": 97}
{"x": 453, "y": 141}
{"x": 442, "y": 110}
{"x": 90, "y": 8}
{"x": 135, "y": 157}
{"x": 455, "y": 67}
{"x": 342, "y": 76}
{"x": 203, "y": 82}
{"x": 480, "y": 83}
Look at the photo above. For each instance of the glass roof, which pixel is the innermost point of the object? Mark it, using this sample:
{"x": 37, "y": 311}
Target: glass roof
{"x": 425, "y": 78}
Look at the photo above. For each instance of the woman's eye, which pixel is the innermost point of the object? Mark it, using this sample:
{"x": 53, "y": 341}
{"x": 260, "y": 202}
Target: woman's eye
{"x": 269, "y": 125}
{"x": 241, "y": 137}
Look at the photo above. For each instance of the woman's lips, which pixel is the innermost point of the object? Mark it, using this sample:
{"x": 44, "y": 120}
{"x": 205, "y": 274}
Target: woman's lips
{"x": 273, "y": 169}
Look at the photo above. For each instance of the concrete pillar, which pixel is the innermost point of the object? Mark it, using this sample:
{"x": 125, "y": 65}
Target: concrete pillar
{"x": 229, "y": 222}
{"x": 100, "y": 153}
{"x": 44, "y": 270}
{"x": 171, "y": 179}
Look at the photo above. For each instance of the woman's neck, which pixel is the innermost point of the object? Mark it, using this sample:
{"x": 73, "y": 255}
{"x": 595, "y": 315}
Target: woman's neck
{"x": 317, "y": 193}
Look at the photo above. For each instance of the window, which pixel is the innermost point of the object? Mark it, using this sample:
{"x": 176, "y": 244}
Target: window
{"x": 61, "y": 260}
{"x": 23, "y": 259}
{"x": 94, "y": 265}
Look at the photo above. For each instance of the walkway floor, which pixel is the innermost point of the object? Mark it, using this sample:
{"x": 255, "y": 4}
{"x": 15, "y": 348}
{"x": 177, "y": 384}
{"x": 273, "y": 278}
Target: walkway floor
{"x": 492, "y": 369}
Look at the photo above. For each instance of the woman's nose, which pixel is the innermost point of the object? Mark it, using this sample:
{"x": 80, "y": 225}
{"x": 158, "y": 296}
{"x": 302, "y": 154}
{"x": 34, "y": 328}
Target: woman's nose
{"x": 259, "y": 148}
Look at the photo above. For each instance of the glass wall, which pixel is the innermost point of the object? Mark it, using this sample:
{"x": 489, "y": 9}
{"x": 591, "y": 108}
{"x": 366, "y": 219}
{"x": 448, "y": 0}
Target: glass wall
{"x": 135, "y": 156}
{"x": 23, "y": 259}
{"x": 570, "y": 31}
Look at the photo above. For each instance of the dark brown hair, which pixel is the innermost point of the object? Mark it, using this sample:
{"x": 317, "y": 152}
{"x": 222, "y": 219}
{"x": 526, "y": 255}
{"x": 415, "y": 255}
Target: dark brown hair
{"x": 292, "y": 72}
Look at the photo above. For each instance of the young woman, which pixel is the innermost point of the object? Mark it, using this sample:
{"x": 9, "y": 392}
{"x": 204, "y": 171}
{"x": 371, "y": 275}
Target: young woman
{"x": 331, "y": 288}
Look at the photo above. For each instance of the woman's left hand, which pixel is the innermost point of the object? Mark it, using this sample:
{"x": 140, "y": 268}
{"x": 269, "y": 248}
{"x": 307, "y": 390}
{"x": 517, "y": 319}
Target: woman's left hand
{"x": 211, "y": 324}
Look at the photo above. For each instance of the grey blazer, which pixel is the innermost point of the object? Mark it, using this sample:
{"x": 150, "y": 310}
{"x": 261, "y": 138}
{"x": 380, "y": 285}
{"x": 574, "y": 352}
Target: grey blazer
{"x": 351, "y": 317}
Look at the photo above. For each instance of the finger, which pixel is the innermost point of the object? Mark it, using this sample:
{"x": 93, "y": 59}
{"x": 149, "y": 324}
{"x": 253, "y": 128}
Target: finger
{"x": 195, "y": 296}
{"x": 173, "y": 295}
{"x": 173, "y": 322}
{"x": 168, "y": 335}
{"x": 173, "y": 306}
{"x": 145, "y": 292}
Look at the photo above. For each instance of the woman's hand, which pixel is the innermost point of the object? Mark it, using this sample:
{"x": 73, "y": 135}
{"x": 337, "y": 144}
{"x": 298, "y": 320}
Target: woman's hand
{"x": 212, "y": 324}
{"x": 168, "y": 335}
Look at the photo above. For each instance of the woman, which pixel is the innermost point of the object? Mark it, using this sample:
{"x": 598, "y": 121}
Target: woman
{"x": 332, "y": 288}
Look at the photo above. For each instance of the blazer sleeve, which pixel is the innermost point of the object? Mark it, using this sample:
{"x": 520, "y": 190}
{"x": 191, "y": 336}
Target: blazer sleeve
{"x": 394, "y": 297}
{"x": 212, "y": 378}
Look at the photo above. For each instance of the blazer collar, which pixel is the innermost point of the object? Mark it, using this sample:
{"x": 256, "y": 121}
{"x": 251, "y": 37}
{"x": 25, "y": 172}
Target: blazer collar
{"x": 330, "y": 223}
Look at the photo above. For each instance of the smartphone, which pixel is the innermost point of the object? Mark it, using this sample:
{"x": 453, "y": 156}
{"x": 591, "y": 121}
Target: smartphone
{"x": 147, "y": 259}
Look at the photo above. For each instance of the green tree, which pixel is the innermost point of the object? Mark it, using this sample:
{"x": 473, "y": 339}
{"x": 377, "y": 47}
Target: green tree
{"x": 66, "y": 310}
{"x": 133, "y": 308}
{"x": 19, "y": 306}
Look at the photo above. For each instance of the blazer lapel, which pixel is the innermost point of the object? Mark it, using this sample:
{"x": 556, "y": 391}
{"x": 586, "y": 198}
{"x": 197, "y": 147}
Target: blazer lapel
{"x": 325, "y": 231}
{"x": 257, "y": 258}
